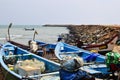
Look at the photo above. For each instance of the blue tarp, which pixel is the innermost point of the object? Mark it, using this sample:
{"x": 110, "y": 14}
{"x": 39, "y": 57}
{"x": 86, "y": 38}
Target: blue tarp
{"x": 76, "y": 75}
{"x": 91, "y": 57}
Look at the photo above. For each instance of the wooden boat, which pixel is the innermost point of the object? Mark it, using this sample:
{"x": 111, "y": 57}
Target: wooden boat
{"x": 102, "y": 48}
{"x": 49, "y": 52}
{"x": 94, "y": 63}
{"x": 29, "y": 29}
{"x": 19, "y": 64}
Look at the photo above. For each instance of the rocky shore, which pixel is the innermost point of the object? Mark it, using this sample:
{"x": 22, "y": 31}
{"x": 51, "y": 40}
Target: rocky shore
{"x": 90, "y": 34}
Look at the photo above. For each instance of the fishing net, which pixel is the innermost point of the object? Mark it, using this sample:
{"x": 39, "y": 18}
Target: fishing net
{"x": 34, "y": 63}
{"x": 72, "y": 63}
{"x": 30, "y": 67}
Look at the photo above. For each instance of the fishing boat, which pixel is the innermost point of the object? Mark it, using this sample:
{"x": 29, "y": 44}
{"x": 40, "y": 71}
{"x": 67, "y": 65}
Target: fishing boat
{"x": 19, "y": 64}
{"x": 37, "y": 47}
{"x": 104, "y": 47}
{"x": 29, "y": 29}
{"x": 94, "y": 63}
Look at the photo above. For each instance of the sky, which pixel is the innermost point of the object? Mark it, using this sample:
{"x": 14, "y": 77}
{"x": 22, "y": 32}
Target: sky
{"x": 37, "y": 12}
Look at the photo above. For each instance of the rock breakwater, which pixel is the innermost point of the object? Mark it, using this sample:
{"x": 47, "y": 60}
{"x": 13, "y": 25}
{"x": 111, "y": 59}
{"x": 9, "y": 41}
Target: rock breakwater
{"x": 90, "y": 34}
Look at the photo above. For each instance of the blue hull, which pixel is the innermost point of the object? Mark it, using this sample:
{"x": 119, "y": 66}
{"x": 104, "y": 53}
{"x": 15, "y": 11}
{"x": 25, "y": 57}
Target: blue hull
{"x": 20, "y": 54}
{"x": 94, "y": 63}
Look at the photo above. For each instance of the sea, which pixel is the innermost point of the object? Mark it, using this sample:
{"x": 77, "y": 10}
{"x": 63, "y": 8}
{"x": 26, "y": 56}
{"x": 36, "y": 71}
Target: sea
{"x": 19, "y": 34}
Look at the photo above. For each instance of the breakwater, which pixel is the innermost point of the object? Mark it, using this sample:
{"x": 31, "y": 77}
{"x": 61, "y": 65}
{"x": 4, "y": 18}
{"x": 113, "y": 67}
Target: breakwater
{"x": 90, "y": 34}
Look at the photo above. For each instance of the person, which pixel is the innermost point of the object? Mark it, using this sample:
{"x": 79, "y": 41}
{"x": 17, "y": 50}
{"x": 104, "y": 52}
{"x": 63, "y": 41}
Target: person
{"x": 70, "y": 70}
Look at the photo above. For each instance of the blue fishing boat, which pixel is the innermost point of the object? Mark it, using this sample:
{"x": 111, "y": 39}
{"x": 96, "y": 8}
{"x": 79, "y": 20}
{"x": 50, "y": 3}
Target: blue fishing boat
{"x": 38, "y": 47}
{"x": 94, "y": 63}
{"x": 41, "y": 48}
{"x": 19, "y": 64}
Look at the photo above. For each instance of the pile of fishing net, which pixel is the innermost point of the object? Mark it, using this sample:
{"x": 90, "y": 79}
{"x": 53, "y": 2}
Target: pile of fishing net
{"x": 71, "y": 62}
{"x": 34, "y": 63}
{"x": 68, "y": 56}
{"x": 29, "y": 67}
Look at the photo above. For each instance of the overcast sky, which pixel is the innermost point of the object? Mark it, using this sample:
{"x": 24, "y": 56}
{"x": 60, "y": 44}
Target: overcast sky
{"x": 60, "y": 11}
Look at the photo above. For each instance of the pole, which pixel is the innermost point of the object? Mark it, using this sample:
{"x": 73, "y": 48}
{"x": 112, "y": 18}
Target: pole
{"x": 34, "y": 34}
{"x": 9, "y": 31}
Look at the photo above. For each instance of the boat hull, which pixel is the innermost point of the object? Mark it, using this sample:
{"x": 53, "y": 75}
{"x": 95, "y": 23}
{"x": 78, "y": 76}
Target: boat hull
{"x": 50, "y": 66}
{"x": 94, "y": 63}
{"x": 102, "y": 48}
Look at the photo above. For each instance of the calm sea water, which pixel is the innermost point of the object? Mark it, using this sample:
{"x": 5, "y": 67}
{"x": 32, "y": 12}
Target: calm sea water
{"x": 18, "y": 33}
